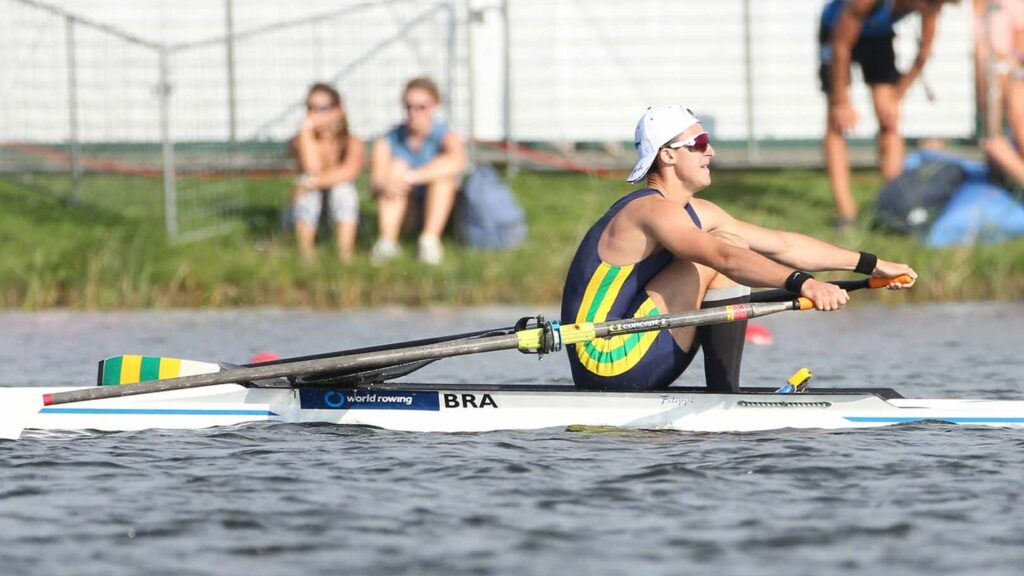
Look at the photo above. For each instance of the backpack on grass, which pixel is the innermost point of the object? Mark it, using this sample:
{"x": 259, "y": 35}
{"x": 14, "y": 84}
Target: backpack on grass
{"x": 488, "y": 216}
{"x": 911, "y": 201}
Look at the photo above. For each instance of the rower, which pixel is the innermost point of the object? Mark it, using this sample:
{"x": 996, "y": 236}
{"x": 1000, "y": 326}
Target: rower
{"x": 661, "y": 250}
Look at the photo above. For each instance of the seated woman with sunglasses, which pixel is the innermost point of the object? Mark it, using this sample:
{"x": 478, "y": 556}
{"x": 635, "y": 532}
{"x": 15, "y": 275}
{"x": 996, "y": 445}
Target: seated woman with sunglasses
{"x": 330, "y": 160}
{"x": 419, "y": 160}
{"x": 660, "y": 250}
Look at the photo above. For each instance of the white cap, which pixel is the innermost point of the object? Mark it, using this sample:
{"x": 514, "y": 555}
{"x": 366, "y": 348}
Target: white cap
{"x": 657, "y": 127}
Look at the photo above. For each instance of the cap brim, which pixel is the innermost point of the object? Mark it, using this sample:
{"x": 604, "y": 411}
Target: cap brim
{"x": 643, "y": 166}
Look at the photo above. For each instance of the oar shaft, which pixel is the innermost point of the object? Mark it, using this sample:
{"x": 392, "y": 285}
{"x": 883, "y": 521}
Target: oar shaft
{"x": 585, "y": 332}
{"x": 700, "y": 317}
{"x": 529, "y": 339}
{"x": 354, "y": 362}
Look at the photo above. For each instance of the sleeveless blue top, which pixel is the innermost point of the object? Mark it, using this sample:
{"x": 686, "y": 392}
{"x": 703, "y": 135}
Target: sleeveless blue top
{"x": 596, "y": 291}
{"x": 397, "y": 139}
{"x": 878, "y": 24}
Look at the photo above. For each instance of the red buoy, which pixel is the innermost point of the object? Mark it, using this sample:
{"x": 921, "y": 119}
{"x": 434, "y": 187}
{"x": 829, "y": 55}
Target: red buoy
{"x": 261, "y": 357}
{"x": 759, "y": 335}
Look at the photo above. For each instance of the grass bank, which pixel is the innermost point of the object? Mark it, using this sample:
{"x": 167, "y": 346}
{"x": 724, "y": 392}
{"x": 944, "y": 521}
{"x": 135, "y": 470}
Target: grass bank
{"x": 110, "y": 250}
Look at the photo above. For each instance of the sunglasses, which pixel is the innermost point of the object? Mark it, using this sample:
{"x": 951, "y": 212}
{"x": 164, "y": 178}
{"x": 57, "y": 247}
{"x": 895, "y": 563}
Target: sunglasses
{"x": 409, "y": 107}
{"x": 325, "y": 108}
{"x": 698, "y": 143}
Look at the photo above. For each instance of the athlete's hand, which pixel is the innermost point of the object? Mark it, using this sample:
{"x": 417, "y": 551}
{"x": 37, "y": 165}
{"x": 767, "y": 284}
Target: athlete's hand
{"x": 824, "y": 295}
{"x": 886, "y": 269}
{"x": 843, "y": 117}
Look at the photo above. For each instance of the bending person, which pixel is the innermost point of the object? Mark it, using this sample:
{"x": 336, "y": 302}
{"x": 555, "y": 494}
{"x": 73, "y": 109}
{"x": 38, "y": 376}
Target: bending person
{"x": 861, "y": 31}
{"x": 330, "y": 160}
{"x": 660, "y": 250}
{"x": 415, "y": 171}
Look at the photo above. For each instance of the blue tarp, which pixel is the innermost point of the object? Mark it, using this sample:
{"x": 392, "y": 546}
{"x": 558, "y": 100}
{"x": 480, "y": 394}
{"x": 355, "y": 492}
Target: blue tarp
{"x": 979, "y": 211}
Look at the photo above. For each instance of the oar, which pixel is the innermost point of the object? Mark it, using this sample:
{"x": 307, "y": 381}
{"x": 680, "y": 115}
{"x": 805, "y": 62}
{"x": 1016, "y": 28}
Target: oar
{"x": 848, "y": 285}
{"x": 17, "y": 410}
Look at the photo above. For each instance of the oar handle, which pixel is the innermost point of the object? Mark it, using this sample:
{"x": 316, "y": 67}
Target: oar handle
{"x": 883, "y": 282}
{"x": 848, "y": 285}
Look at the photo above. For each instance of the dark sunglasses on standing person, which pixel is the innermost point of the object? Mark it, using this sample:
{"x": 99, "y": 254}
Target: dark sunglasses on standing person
{"x": 698, "y": 143}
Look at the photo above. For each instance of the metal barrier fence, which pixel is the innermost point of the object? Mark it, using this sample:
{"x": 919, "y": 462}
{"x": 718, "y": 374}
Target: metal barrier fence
{"x": 174, "y": 124}
{"x": 180, "y": 111}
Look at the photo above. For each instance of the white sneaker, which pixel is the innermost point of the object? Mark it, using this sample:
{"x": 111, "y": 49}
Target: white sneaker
{"x": 431, "y": 250}
{"x": 383, "y": 251}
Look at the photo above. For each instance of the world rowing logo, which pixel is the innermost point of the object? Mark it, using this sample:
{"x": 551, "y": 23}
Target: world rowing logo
{"x": 348, "y": 399}
{"x": 334, "y": 399}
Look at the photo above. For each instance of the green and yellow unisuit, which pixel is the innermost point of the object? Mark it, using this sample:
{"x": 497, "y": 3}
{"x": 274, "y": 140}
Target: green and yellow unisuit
{"x": 596, "y": 291}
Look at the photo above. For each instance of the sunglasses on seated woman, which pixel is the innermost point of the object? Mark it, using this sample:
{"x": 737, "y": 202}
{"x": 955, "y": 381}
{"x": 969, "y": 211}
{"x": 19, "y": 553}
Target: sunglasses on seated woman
{"x": 698, "y": 143}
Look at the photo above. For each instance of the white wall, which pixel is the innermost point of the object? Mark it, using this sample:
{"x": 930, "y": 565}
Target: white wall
{"x": 581, "y": 70}
{"x": 585, "y": 70}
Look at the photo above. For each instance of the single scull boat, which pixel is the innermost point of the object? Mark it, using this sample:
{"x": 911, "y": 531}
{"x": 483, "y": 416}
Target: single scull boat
{"x": 352, "y": 387}
{"x": 476, "y": 408}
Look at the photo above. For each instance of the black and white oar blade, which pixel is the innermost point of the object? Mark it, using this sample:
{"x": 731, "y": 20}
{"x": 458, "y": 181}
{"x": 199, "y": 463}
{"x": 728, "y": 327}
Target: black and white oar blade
{"x": 17, "y": 406}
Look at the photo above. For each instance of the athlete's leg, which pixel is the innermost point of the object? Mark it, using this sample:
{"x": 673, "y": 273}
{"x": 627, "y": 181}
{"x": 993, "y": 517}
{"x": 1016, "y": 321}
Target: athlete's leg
{"x": 723, "y": 343}
{"x": 686, "y": 286}
{"x": 891, "y": 148}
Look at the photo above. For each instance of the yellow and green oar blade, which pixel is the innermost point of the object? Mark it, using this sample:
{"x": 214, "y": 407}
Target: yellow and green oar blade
{"x": 132, "y": 369}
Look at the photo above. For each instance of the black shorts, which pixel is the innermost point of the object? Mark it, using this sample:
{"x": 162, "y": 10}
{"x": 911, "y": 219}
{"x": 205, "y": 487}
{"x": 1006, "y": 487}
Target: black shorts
{"x": 876, "y": 57}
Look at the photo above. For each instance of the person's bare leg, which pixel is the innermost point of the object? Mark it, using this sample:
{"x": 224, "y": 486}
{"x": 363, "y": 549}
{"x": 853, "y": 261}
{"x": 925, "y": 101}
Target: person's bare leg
{"x": 391, "y": 209}
{"x": 684, "y": 286}
{"x": 680, "y": 287}
{"x": 837, "y": 166}
{"x": 305, "y": 237}
{"x": 1002, "y": 154}
{"x": 891, "y": 147}
{"x": 438, "y": 206}
{"x": 345, "y": 235}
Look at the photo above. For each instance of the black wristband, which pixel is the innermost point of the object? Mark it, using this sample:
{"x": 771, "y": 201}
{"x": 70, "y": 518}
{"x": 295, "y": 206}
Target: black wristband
{"x": 796, "y": 281}
{"x": 866, "y": 264}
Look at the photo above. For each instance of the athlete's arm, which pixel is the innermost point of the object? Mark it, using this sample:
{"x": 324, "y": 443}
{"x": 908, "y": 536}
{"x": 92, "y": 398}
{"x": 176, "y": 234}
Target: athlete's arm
{"x": 794, "y": 249}
{"x": 669, "y": 225}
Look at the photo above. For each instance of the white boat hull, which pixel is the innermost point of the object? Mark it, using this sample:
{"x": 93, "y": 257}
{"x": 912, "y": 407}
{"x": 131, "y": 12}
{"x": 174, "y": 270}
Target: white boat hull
{"x": 464, "y": 408}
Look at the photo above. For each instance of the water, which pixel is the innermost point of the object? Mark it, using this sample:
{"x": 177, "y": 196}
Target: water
{"x": 319, "y": 499}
